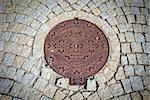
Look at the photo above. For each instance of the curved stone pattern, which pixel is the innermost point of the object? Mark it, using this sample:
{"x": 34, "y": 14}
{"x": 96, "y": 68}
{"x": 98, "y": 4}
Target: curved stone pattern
{"x": 25, "y": 75}
{"x": 76, "y": 49}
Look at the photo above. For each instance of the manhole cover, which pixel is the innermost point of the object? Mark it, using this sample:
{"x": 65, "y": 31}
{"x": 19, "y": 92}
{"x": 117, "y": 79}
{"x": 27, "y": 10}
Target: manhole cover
{"x": 76, "y": 49}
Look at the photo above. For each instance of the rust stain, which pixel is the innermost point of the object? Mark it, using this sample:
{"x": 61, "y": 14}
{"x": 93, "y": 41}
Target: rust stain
{"x": 76, "y": 49}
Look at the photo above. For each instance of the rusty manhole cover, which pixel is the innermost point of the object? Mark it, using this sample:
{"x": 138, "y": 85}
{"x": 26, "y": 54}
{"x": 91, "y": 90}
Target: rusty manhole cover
{"x": 76, "y": 49}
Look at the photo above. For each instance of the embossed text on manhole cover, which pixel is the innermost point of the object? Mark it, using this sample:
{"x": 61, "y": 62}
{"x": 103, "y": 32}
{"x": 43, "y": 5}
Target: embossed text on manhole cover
{"x": 76, "y": 49}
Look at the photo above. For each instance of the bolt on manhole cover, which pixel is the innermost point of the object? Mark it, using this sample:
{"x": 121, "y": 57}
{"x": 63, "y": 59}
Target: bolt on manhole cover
{"x": 76, "y": 49}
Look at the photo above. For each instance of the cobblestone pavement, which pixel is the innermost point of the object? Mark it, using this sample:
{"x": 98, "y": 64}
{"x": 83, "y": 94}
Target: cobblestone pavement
{"x": 24, "y": 73}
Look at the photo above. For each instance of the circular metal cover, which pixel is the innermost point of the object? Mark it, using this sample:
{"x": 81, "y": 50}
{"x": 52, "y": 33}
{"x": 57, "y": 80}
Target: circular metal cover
{"x": 76, "y": 49}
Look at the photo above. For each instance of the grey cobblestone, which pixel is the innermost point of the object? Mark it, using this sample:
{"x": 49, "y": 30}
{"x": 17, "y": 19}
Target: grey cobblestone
{"x": 129, "y": 36}
{"x": 8, "y": 59}
{"x": 14, "y": 37}
{"x": 125, "y": 47}
{"x": 125, "y": 97}
{"x": 135, "y": 10}
{"x": 26, "y": 50}
{"x": 94, "y": 96}
{"x": 132, "y": 58}
{"x": 120, "y": 3}
{"x": 103, "y": 7}
{"x": 137, "y": 3}
{"x": 116, "y": 89}
{"x": 40, "y": 84}
{"x": 111, "y": 5}
{"x": 136, "y": 83}
{"x": 8, "y": 46}
{"x": 129, "y": 70}
{"x": 126, "y": 10}
{"x": 35, "y": 95}
{"x": 136, "y": 47}
{"x": 28, "y": 79}
{"x": 126, "y": 85}
{"x": 105, "y": 94}
{"x": 50, "y": 90}
{"x": 111, "y": 13}
{"x": 3, "y": 70}
{"x": 121, "y": 19}
{"x": 57, "y": 10}
{"x": 1, "y": 45}
{"x": 16, "y": 89}
{"x": 135, "y": 96}
{"x": 6, "y": 97}
{"x": 25, "y": 93}
{"x": 45, "y": 98}
{"x": 139, "y": 70}
{"x": 142, "y": 59}
{"x": 1, "y": 56}
{"x": 10, "y": 73}
{"x": 5, "y": 85}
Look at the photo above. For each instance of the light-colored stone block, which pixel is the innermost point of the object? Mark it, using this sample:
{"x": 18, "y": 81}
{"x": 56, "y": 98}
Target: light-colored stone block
{"x": 77, "y": 96}
{"x": 105, "y": 94}
{"x": 10, "y": 73}
{"x": 126, "y": 85}
{"x": 120, "y": 74}
{"x": 26, "y": 50}
{"x": 59, "y": 95}
{"x": 136, "y": 83}
{"x": 121, "y": 19}
{"x": 139, "y": 70}
{"x": 125, "y": 47}
{"x": 129, "y": 70}
{"x": 5, "y": 85}
{"x": 19, "y": 74}
{"x": 28, "y": 79}
{"x": 1, "y": 45}
{"x": 40, "y": 84}
{"x": 116, "y": 89}
{"x": 132, "y": 58}
{"x": 63, "y": 82}
{"x": 16, "y": 89}
{"x": 112, "y": 21}
{"x": 91, "y": 85}
{"x": 129, "y": 36}
{"x": 8, "y": 59}
{"x": 142, "y": 58}
{"x": 136, "y": 47}
{"x": 50, "y": 90}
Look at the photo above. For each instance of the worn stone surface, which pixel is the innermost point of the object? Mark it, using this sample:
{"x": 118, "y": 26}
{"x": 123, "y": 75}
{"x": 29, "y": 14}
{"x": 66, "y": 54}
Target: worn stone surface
{"x": 93, "y": 97}
{"x": 5, "y": 85}
{"x": 126, "y": 85}
{"x": 16, "y": 89}
{"x": 120, "y": 74}
{"x": 28, "y": 79}
{"x": 63, "y": 82}
{"x": 25, "y": 92}
{"x": 129, "y": 70}
{"x": 77, "y": 96}
{"x": 105, "y": 94}
{"x": 40, "y": 84}
{"x": 116, "y": 89}
{"x": 125, "y": 47}
{"x": 59, "y": 95}
{"x": 10, "y": 73}
{"x": 135, "y": 96}
{"x": 50, "y": 90}
{"x": 136, "y": 83}
{"x": 91, "y": 85}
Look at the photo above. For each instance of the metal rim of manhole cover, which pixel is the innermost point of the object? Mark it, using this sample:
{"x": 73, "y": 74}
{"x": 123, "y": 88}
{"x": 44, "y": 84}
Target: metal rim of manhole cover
{"x": 76, "y": 49}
